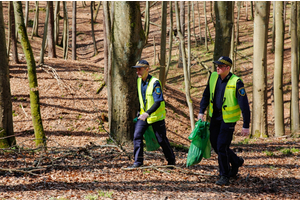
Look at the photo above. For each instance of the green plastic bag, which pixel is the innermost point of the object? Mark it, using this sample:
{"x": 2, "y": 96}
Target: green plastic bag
{"x": 200, "y": 146}
{"x": 149, "y": 136}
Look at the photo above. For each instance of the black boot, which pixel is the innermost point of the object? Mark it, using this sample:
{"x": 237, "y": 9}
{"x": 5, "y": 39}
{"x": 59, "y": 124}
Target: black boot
{"x": 235, "y": 169}
{"x": 223, "y": 181}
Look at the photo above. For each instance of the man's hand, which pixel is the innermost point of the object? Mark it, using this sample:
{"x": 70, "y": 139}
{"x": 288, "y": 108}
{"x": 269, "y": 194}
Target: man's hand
{"x": 201, "y": 116}
{"x": 143, "y": 116}
{"x": 245, "y": 131}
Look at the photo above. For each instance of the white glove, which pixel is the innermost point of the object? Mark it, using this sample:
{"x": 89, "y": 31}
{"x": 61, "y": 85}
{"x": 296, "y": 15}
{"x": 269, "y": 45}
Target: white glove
{"x": 201, "y": 116}
{"x": 143, "y": 116}
{"x": 245, "y": 131}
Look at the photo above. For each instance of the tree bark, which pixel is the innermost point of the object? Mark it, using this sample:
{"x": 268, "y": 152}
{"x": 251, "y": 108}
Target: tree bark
{"x": 294, "y": 71}
{"x": 105, "y": 47}
{"x": 189, "y": 44}
{"x": 237, "y": 23}
{"x": 93, "y": 32}
{"x": 40, "y": 138}
{"x": 162, "y": 61}
{"x": 13, "y": 38}
{"x": 274, "y": 26}
{"x": 97, "y": 10}
{"x": 185, "y": 71}
{"x": 56, "y": 22}
{"x": 147, "y": 21}
{"x": 260, "y": 38}
{"x": 74, "y": 31}
{"x": 206, "y": 27}
{"x": 35, "y": 28}
{"x": 278, "y": 69}
{"x": 50, "y": 35}
{"x": 170, "y": 41}
{"x": 199, "y": 21}
{"x": 66, "y": 31}
{"x": 182, "y": 27}
{"x": 246, "y": 10}
{"x": 251, "y": 10}
{"x": 127, "y": 46}
{"x": 193, "y": 19}
{"x": 223, "y": 12}
{"x": 6, "y": 121}
{"x": 9, "y": 30}
{"x": 42, "y": 52}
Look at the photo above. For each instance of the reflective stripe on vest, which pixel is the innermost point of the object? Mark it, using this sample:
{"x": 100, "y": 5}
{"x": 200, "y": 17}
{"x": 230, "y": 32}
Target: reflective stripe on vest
{"x": 231, "y": 111}
{"x": 160, "y": 113}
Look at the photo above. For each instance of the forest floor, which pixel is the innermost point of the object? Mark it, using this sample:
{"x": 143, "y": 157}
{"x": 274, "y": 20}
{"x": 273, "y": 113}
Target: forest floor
{"x": 82, "y": 163}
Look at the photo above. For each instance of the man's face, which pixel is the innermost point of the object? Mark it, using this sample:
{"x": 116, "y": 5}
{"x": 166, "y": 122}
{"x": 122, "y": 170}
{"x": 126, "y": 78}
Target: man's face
{"x": 142, "y": 72}
{"x": 223, "y": 69}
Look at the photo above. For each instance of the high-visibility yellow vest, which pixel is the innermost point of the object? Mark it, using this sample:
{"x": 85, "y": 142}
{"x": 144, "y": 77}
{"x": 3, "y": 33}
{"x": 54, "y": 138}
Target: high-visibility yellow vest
{"x": 231, "y": 110}
{"x": 160, "y": 113}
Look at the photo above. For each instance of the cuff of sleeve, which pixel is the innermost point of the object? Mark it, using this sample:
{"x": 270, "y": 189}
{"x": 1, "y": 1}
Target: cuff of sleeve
{"x": 246, "y": 126}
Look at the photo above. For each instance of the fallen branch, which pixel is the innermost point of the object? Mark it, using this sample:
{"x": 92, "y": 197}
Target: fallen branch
{"x": 21, "y": 171}
{"x": 24, "y": 110}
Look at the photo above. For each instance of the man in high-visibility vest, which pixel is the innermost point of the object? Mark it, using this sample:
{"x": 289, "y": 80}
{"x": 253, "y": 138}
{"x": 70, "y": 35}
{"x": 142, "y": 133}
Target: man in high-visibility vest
{"x": 226, "y": 99}
{"x": 152, "y": 112}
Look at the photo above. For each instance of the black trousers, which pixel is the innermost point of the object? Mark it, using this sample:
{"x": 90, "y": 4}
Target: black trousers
{"x": 159, "y": 129}
{"x": 220, "y": 139}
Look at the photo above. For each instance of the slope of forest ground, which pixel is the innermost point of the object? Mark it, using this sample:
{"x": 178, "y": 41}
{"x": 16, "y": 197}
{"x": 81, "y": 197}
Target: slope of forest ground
{"x": 82, "y": 163}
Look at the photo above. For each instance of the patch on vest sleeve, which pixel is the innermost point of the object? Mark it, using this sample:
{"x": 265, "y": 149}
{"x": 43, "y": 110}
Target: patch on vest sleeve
{"x": 157, "y": 90}
{"x": 242, "y": 91}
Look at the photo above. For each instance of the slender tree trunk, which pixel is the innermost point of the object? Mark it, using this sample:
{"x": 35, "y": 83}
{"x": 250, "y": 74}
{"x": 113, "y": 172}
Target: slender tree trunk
{"x": 232, "y": 45}
{"x": 200, "y": 35}
{"x": 97, "y": 10}
{"x": 182, "y": 27}
{"x": 193, "y": 18}
{"x": 93, "y": 33}
{"x": 125, "y": 101}
{"x": 36, "y": 20}
{"x": 6, "y": 121}
{"x": 162, "y": 61}
{"x": 26, "y": 13}
{"x": 223, "y": 12}
{"x": 9, "y": 29}
{"x": 278, "y": 70}
{"x": 260, "y": 38}
{"x": 105, "y": 47}
{"x": 170, "y": 41}
{"x": 56, "y": 22}
{"x": 274, "y": 26}
{"x": 154, "y": 51}
{"x": 206, "y": 27}
{"x": 40, "y": 138}
{"x": 66, "y": 31}
{"x": 42, "y": 52}
{"x": 147, "y": 21}
{"x": 251, "y": 8}
{"x": 13, "y": 37}
{"x": 246, "y": 10}
{"x": 74, "y": 31}
{"x": 185, "y": 71}
{"x": 50, "y": 35}
{"x": 295, "y": 70}
{"x": 189, "y": 43}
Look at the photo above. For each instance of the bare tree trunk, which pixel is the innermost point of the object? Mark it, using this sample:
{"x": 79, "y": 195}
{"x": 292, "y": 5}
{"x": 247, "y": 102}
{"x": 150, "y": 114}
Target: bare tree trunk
{"x": 260, "y": 38}
{"x": 35, "y": 28}
{"x": 274, "y": 26}
{"x": 162, "y": 61}
{"x": 50, "y": 35}
{"x": 182, "y": 27}
{"x": 40, "y": 138}
{"x": 9, "y": 30}
{"x": 200, "y": 35}
{"x": 223, "y": 12}
{"x": 147, "y": 21}
{"x": 6, "y": 121}
{"x": 74, "y": 31}
{"x": 246, "y": 10}
{"x": 170, "y": 41}
{"x": 193, "y": 18}
{"x": 44, "y": 36}
{"x": 125, "y": 101}
{"x": 26, "y": 13}
{"x": 56, "y": 22}
{"x": 97, "y": 10}
{"x": 251, "y": 8}
{"x": 232, "y": 45}
{"x": 93, "y": 33}
{"x": 105, "y": 47}
{"x": 185, "y": 71}
{"x": 294, "y": 71}
{"x": 154, "y": 51}
{"x": 189, "y": 44}
{"x": 278, "y": 69}
{"x": 206, "y": 27}
{"x": 66, "y": 31}
{"x": 13, "y": 38}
